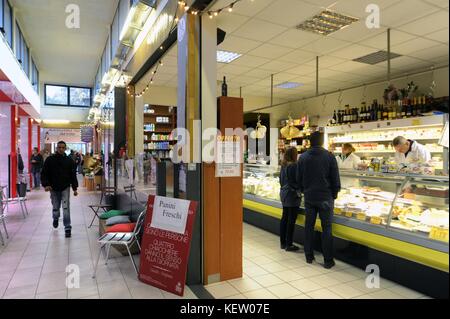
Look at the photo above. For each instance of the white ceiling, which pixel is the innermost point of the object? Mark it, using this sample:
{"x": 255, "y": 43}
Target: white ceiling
{"x": 66, "y": 56}
{"x": 264, "y": 32}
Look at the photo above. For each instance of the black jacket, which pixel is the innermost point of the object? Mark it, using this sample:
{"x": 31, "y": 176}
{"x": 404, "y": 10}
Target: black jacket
{"x": 289, "y": 187}
{"x": 318, "y": 175}
{"x": 59, "y": 172}
{"x": 36, "y": 167}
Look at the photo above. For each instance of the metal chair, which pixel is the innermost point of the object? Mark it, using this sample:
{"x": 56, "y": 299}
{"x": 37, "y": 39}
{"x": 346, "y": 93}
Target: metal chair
{"x": 22, "y": 202}
{"x": 107, "y": 191}
{"x": 132, "y": 190}
{"x": 2, "y": 216}
{"x": 127, "y": 239}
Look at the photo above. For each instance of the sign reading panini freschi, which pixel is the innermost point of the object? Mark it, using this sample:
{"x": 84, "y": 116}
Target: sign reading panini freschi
{"x": 166, "y": 243}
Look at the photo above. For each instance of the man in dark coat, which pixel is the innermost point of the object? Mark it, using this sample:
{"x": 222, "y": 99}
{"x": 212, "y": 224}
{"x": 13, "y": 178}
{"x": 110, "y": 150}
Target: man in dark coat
{"x": 319, "y": 181}
{"x": 37, "y": 161}
{"x": 58, "y": 175}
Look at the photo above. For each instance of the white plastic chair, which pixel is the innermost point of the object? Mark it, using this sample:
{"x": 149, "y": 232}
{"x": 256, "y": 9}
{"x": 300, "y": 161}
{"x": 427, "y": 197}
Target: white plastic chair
{"x": 126, "y": 239}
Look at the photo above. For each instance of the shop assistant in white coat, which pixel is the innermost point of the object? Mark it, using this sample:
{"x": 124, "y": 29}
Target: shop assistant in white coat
{"x": 348, "y": 159}
{"x": 409, "y": 151}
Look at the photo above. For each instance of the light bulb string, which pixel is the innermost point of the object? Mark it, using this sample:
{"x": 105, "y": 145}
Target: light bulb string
{"x": 181, "y": 5}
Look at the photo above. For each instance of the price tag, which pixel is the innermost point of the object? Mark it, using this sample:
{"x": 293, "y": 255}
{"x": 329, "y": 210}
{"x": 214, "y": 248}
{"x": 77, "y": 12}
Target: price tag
{"x": 361, "y": 216}
{"x": 375, "y": 220}
{"x": 348, "y": 214}
{"x": 438, "y": 233}
{"x": 416, "y": 122}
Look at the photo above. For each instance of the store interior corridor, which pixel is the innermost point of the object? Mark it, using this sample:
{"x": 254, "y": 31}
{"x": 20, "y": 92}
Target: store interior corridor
{"x": 35, "y": 258}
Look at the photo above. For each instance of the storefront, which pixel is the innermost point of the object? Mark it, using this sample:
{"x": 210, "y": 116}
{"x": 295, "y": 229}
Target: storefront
{"x": 291, "y": 82}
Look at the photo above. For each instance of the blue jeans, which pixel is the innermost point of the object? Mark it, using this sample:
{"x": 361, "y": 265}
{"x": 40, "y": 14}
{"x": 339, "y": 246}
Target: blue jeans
{"x": 325, "y": 211}
{"x": 58, "y": 199}
{"x": 37, "y": 179}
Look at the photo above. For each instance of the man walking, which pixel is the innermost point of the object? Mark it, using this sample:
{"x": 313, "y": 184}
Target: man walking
{"x": 319, "y": 181}
{"x": 58, "y": 175}
{"x": 37, "y": 161}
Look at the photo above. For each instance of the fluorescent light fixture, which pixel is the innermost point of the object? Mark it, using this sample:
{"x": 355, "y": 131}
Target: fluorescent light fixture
{"x": 327, "y": 22}
{"x": 56, "y": 121}
{"x": 227, "y": 57}
{"x": 288, "y": 85}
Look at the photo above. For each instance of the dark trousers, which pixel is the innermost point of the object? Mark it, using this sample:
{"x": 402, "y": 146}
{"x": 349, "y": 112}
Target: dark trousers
{"x": 287, "y": 225}
{"x": 325, "y": 211}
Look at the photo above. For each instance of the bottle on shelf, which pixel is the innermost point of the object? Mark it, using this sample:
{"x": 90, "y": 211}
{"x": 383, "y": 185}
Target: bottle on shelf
{"x": 379, "y": 112}
{"x": 224, "y": 87}
{"x": 334, "y": 119}
{"x": 385, "y": 113}
{"x": 404, "y": 108}
{"x": 414, "y": 108}
{"x": 409, "y": 109}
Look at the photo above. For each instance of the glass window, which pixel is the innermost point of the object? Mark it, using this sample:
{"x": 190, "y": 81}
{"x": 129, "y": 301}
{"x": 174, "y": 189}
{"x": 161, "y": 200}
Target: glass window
{"x": 115, "y": 34}
{"x": 7, "y": 20}
{"x": 18, "y": 44}
{"x": 34, "y": 76}
{"x": 2, "y": 23}
{"x": 56, "y": 95}
{"x": 26, "y": 58}
{"x": 80, "y": 96}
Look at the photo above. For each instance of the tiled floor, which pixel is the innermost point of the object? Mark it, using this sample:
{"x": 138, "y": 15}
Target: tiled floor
{"x": 270, "y": 272}
{"x": 33, "y": 263}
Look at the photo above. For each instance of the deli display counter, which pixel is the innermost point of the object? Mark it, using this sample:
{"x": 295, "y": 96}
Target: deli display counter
{"x": 396, "y": 219}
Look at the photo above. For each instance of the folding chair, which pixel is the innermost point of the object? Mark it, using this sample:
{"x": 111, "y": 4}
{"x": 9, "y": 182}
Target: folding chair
{"x": 107, "y": 191}
{"x": 127, "y": 239}
{"x": 2, "y": 215}
{"x": 132, "y": 190}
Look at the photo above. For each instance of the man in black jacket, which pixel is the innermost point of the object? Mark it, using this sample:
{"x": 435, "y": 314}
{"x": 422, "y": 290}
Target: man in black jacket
{"x": 37, "y": 161}
{"x": 58, "y": 174}
{"x": 319, "y": 181}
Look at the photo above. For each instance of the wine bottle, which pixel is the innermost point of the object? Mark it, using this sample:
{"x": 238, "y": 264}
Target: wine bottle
{"x": 409, "y": 109}
{"x": 414, "y": 107}
{"x": 224, "y": 87}
{"x": 385, "y": 112}
{"x": 334, "y": 120}
{"x": 379, "y": 113}
{"x": 404, "y": 104}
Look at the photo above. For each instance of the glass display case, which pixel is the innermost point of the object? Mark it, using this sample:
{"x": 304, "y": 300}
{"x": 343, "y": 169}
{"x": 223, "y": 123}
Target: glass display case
{"x": 411, "y": 208}
{"x": 261, "y": 183}
{"x": 407, "y": 207}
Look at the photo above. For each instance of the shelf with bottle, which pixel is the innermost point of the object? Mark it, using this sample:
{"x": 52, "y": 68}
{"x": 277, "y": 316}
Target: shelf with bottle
{"x": 417, "y": 134}
{"x": 163, "y": 146}
{"x": 400, "y": 109}
{"x": 160, "y": 137}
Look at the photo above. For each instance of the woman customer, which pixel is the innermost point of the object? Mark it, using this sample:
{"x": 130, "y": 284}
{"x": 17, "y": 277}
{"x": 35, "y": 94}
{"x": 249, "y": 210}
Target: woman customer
{"x": 290, "y": 199}
{"x": 348, "y": 159}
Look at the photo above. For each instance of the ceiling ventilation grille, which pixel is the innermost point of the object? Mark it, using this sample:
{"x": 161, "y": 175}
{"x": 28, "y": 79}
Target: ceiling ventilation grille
{"x": 327, "y": 22}
{"x": 376, "y": 57}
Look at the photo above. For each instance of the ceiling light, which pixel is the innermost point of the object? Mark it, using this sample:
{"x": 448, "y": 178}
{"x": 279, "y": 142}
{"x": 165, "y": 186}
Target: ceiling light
{"x": 227, "y": 57}
{"x": 376, "y": 57}
{"x": 327, "y": 22}
{"x": 288, "y": 85}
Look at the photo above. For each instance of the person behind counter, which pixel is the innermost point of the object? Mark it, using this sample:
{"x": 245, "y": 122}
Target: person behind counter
{"x": 348, "y": 159}
{"x": 409, "y": 151}
{"x": 290, "y": 198}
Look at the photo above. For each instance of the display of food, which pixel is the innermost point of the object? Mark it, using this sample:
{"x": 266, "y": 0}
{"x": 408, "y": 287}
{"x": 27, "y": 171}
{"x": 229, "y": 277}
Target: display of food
{"x": 267, "y": 187}
{"x": 389, "y": 135}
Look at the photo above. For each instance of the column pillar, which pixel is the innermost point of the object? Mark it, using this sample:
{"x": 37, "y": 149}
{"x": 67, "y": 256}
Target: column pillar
{"x": 13, "y": 170}
{"x": 38, "y": 137}
{"x": 30, "y": 149}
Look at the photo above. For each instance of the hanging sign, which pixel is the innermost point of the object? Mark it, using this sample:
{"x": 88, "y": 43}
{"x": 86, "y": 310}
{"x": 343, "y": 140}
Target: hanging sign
{"x": 166, "y": 243}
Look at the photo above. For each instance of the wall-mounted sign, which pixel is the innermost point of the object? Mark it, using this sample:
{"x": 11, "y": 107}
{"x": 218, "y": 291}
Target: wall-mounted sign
{"x": 52, "y": 135}
{"x": 228, "y": 156}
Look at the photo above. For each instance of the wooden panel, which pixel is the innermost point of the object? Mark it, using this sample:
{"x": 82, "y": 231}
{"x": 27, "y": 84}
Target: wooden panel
{"x": 211, "y": 222}
{"x": 230, "y": 116}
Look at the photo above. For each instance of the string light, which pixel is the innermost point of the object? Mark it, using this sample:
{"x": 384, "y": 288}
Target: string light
{"x": 185, "y": 8}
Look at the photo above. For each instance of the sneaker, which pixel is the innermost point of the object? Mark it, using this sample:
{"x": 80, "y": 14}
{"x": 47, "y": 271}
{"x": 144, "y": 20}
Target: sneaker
{"x": 68, "y": 234}
{"x": 292, "y": 248}
{"x": 55, "y": 223}
{"x": 329, "y": 264}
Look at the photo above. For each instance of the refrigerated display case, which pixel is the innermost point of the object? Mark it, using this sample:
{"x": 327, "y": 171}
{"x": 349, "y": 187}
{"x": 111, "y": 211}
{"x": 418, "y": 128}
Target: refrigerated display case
{"x": 397, "y": 221}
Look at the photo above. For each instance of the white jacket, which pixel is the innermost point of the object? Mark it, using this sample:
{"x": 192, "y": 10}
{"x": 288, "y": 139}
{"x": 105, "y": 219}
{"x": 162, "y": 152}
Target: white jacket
{"x": 351, "y": 162}
{"x": 418, "y": 154}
